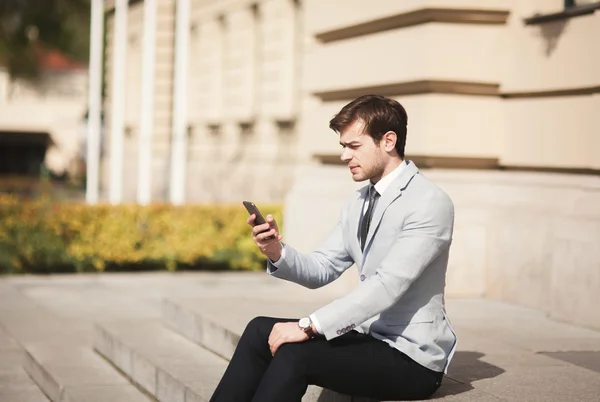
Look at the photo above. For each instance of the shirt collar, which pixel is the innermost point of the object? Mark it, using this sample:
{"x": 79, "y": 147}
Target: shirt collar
{"x": 386, "y": 180}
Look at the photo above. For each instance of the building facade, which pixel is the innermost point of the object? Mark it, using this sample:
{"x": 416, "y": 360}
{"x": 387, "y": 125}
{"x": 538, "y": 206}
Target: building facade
{"x": 42, "y": 122}
{"x": 503, "y": 99}
{"x": 243, "y": 100}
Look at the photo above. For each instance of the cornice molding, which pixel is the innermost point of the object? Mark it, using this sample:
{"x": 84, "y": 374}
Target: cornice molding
{"x": 416, "y": 17}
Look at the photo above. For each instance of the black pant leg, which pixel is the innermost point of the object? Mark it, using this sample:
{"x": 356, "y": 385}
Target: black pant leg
{"x": 353, "y": 364}
{"x": 249, "y": 362}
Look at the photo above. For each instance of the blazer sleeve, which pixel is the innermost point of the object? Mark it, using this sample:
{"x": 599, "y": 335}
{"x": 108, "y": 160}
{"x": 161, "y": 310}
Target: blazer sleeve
{"x": 317, "y": 268}
{"x": 426, "y": 232}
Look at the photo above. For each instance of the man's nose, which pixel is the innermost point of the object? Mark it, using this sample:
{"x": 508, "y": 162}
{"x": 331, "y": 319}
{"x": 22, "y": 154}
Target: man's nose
{"x": 346, "y": 155}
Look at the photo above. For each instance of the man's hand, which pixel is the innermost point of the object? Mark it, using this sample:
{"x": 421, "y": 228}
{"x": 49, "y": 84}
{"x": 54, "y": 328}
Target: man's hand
{"x": 285, "y": 332}
{"x": 267, "y": 237}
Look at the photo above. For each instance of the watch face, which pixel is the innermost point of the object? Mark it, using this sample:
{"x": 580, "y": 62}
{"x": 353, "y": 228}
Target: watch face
{"x": 304, "y": 322}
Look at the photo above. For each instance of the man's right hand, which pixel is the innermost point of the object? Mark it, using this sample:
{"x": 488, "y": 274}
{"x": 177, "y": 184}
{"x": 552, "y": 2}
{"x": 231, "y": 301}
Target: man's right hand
{"x": 267, "y": 237}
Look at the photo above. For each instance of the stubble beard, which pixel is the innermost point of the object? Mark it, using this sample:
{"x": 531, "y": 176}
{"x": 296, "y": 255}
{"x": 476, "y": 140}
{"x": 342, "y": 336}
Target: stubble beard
{"x": 378, "y": 168}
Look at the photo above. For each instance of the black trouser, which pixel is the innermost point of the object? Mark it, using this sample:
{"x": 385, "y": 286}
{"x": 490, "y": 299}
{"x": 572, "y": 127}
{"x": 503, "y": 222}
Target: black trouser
{"x": 353, "y": 364}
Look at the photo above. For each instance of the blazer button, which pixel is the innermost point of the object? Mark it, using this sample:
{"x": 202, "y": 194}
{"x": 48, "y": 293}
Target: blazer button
{"x": 362, "y": 278}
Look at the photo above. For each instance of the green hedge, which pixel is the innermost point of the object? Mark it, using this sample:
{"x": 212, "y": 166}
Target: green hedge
{"x": 42, "y": 236}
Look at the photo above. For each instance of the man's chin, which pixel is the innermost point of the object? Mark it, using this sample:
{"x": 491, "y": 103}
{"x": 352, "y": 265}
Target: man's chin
{"x": 358, "y": 177}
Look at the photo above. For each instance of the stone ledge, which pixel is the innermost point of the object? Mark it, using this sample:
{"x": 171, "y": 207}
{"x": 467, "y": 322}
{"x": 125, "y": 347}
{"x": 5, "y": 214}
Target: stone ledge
{"x": 416, "y": 17}
{"x": 413, "y": 88}
{"x": 449, "y": 87}
{"x": 469, "y": 163}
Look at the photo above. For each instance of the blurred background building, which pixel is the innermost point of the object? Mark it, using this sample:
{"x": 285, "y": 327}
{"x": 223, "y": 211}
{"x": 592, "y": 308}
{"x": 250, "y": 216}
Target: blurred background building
{"x": 43, "y": 93}
{"x": 503, "y": 99}
{"x": 41, "y": 123}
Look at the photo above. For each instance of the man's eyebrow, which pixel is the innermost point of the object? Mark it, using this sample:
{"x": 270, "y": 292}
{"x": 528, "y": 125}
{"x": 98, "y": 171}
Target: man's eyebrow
{"x": 350, "y": 143}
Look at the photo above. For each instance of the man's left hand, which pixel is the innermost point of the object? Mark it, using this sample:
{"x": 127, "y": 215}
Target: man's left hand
{"x": 285, "y": 332}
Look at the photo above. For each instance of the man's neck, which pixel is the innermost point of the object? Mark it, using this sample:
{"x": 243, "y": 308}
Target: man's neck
{"x": 389, "y": 168}
{"x": 394, "y": 163}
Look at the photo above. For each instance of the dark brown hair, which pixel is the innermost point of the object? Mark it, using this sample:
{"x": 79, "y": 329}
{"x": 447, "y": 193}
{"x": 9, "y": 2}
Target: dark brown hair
{"x": 380, "y": 115}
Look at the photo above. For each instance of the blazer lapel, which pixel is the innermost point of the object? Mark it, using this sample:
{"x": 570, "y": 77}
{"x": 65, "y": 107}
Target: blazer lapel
{"x": 389, "y": 196}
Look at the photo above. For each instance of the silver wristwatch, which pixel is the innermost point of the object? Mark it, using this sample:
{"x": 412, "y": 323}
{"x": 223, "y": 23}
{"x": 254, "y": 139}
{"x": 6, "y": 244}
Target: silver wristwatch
{"x": 305, "y": 325}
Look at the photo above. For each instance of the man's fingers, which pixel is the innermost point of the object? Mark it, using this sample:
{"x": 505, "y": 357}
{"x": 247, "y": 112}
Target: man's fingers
{"x": 271, "y": 221}
{"x": 266, "y": 236}
{"x": 276, "y": 345}
{"x": 272, "y": 338}
{"x": 251, "y": 219}
{"x": 275, "y": 334}
{"x": 256, "y": 230}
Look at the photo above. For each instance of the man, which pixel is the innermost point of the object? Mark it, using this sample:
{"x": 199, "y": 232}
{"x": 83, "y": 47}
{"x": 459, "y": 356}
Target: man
{"x": 389, "y": 338}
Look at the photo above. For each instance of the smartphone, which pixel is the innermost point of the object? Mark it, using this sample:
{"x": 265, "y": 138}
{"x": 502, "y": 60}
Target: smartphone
{"x": 253, "y": 209}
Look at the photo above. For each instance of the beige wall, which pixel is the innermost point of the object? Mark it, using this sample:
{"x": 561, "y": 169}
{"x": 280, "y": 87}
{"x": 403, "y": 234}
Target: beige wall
{"x": 517, "y": 57}
{"x": 527, "y": 238}
{"x": 558, "y": 132}
{"x": 442, "y": 51}
{"x": 438, "y": 124}
{"x": 553, "y": 55}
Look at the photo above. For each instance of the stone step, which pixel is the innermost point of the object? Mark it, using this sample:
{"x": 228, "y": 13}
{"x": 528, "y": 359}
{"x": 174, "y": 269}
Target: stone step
{"x": 15, "y": 384}
{"x": 163, "y": 363}
{"x": 217, "y": 324}
{"x": 220, "y": 333}
{"x": 58, "y": 357}
{"x": 73, "y": 374}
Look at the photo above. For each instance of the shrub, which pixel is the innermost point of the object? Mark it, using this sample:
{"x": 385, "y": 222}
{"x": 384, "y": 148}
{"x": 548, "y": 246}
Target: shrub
{"x": 45, "y": 236}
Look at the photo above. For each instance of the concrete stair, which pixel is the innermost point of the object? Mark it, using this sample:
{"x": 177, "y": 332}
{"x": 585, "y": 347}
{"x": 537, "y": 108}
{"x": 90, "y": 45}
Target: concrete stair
{"x": 81, "y": 376}
{"x": 220, "y": 333}
{"x": 168, "y": 337}
{"x": 53, "y": 358}
{"x": 163, "y": 363}
{"x": 168, "y": 366}
{"x": 15, "y": 383}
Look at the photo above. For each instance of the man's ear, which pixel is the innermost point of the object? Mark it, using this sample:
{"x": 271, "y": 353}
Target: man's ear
{"x": 389, "y": 141}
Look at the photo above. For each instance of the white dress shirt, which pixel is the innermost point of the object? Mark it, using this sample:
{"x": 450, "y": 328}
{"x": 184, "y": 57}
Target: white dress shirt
{"x": 380, "y": 186}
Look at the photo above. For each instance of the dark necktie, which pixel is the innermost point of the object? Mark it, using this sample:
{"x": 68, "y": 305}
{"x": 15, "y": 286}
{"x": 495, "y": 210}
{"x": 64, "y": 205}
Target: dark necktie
{"x": 366, "y": 221}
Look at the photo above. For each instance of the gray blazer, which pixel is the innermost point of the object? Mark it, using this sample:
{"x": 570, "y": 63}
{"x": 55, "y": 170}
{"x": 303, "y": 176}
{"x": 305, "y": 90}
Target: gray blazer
{"x": 400, "y": 296}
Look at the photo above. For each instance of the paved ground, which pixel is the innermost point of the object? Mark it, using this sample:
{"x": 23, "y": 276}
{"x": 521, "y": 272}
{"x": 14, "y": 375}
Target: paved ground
{"x": 505, "y": 352}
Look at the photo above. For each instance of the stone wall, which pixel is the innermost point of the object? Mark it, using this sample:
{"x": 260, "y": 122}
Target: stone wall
{"x": 525, "y": 238}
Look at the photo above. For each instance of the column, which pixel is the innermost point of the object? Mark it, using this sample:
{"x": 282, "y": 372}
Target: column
{"x": 147, "y": 112}
{"x": 94, "y": 102}
{"x": 118, "y": 102}
{"x": 180, "y": 98}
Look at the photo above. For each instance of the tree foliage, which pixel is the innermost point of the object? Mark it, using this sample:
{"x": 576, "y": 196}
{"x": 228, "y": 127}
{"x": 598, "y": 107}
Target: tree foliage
{"x": 28, "y": 26}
